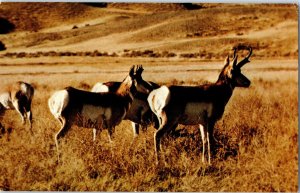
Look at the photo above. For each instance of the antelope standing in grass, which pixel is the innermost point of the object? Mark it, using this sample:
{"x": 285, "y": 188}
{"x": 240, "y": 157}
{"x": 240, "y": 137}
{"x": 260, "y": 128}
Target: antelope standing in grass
{"x": 92, "y": 110}
{"x": 139, "y": 112}
{"x": 203, "y": 105}
{"x": 18, "y": 96}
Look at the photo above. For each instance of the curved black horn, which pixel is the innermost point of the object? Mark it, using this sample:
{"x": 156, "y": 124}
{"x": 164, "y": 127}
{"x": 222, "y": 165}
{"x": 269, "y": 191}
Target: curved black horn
{"x": 139, "y": 70}
{"x": 131, "y": 71}
{"x": 234, "y": 56}
{"x": 246, "y": 59}
{"x": 235, "y": 50}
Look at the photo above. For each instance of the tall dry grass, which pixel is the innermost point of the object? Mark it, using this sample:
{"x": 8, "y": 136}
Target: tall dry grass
{"x": 257, "y": 150}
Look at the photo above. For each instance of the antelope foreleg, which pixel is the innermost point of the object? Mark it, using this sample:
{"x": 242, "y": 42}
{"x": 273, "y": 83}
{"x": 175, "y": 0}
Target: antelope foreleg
{"x": 203, "y": 138}
{"x": 208, "y": 146}
{"x": 205, "y": 142}
{"x": 94, "y": 134}
{"x": 19, "y": 110}
{"x": 29, "y": 117}
{"x": 135, "y": 128}
{"x": 110, "y": 133}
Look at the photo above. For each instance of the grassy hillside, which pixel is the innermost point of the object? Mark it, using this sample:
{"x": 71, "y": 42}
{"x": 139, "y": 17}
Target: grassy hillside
{"x": 206, "y": 29}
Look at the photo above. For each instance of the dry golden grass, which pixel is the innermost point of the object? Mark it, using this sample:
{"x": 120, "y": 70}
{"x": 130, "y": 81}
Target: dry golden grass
{"x": 257, "y": 147}
{"x": 257, "y": 138}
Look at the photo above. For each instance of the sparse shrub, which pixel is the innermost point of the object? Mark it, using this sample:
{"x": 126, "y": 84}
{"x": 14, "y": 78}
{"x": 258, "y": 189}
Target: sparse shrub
{"x": 189, "y": 55}
{"x": 88, "y": 53}
{"x": 104, "y": 54}
{"x": 114, "y": 54}
{"x": 21, "y": 55}
{"x": 97, "y": 53}
{"x": 147, "y": 52}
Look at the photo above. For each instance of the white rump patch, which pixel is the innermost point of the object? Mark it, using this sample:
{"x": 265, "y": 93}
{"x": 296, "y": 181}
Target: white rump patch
{"x": 99, "y": 87}
{"x": 158, "y": 99}
{"x": 58, "y": 102}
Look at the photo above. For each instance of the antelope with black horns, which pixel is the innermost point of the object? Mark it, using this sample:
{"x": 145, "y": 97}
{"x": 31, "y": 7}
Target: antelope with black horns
{"x": 92, "y": 110}
{"x": 197, "y": 105}
{"x": 139, "y": 112}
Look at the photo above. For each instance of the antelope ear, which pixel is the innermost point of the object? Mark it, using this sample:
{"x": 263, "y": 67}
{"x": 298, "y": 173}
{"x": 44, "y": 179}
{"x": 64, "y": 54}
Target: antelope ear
{"x": 234, "y": 61}
{"x": 139, "y": 69}
{"x": 226, "y": 61}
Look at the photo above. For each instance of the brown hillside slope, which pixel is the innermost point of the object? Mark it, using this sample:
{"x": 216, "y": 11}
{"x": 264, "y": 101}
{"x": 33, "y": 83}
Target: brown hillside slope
{"x": 35, "y": 16}
{"x": 209, "y": 30}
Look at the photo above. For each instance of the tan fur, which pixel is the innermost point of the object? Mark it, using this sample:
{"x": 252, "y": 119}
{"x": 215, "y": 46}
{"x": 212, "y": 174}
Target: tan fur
{"x": 139, "y": 112}
{"x": 91, "y": 110}
{"x": 18, "y": 96}
{"x": 200, "y": 105}
{"x": 124, "y": 87}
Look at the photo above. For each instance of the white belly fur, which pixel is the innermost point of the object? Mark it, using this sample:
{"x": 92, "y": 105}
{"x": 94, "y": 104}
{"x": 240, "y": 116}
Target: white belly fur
{"x": 94, "y": 113}
{"x": 195, "y": 113}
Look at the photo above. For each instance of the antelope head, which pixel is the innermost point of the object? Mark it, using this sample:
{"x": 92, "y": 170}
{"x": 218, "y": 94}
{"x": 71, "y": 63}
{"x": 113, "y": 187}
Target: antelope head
{"x": 133, "y": 86}
{"x": 231, "y": 73}
{"x": 142, "y": 85}
{"x": 128, "y": 85}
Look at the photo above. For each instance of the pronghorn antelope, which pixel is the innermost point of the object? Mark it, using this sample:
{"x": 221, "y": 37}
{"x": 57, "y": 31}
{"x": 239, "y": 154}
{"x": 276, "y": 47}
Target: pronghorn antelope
{"x": 139, "y": 112}
{"x": 18, "y": 96}
{"x": 92, "y": 110}
{"x": 203, "y": 105}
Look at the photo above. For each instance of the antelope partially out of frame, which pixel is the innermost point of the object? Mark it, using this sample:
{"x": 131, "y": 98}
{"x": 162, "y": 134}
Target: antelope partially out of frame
{"x": 92, "y": 110}
{"x": 203, "y": 105}
{"x": 139, "y": 112}
{"x": 18, "y": 96}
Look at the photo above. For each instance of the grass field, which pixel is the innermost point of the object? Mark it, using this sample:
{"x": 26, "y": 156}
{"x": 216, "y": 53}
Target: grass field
{"x": 257, "y": 136}
{"x": 54, "y": 45}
